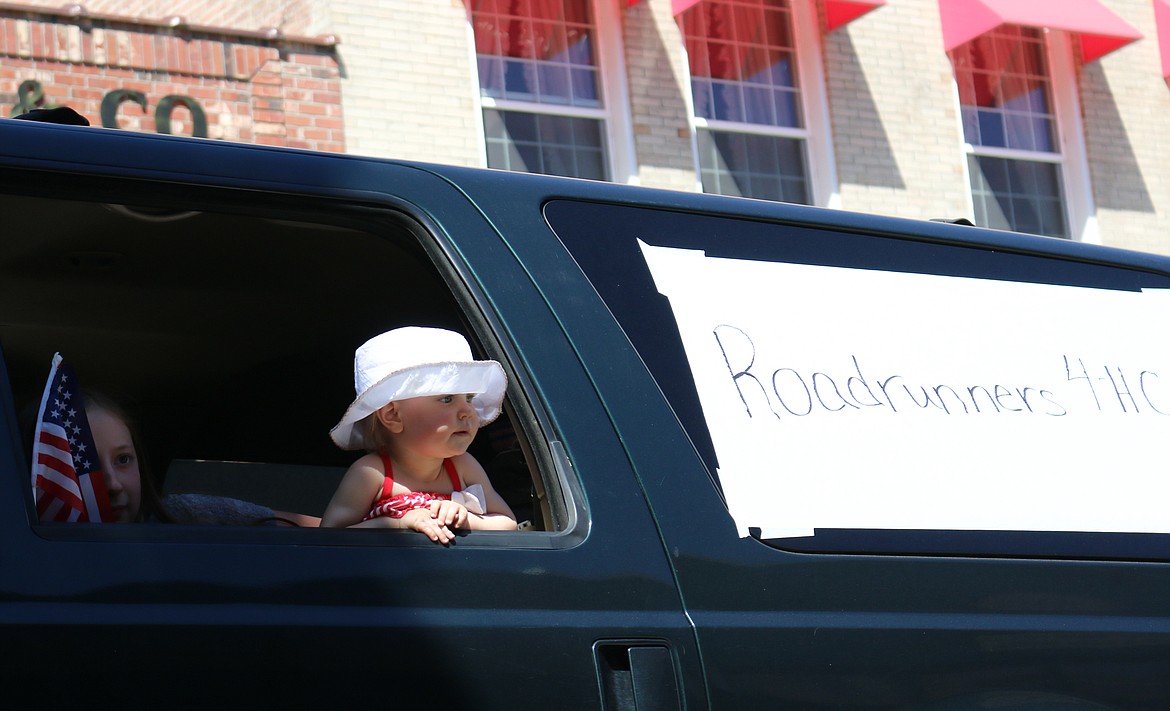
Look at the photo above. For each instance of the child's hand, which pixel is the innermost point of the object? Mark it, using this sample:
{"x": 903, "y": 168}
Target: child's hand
{"x": 424, "y": 521}
{"x": 449, "y": 513}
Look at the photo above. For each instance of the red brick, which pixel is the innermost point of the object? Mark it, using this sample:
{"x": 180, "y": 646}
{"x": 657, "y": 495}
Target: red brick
{"x": 268, "y": 77}
{"x": 266, "y": 90}
{"x": 310, "y": 84}
{"x": 8, "y": 42}
{"x": 88, "y": 94}
{"x": 263, "y": 116}
{"x": 60, "y": 41}
{"x": 202, "y": 92}
{"x": 299, "y": 97}
{"x": 314, "y": 109}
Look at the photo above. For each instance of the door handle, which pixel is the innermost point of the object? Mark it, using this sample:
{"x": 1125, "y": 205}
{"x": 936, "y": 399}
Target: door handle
{"x": 637, "y": 675}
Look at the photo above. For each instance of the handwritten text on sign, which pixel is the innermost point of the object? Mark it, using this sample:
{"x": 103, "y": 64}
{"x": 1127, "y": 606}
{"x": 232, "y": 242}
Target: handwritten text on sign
{"x": 848, "y": 398}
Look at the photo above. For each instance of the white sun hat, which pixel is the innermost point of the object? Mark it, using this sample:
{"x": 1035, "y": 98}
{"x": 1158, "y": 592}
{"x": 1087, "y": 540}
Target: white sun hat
{"x": 413, "y": 362}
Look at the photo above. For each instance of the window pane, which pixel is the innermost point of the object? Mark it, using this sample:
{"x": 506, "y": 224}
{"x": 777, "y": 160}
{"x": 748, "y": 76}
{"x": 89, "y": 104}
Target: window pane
{"x": 519, "y": 80}
{"x": 1003, "y": 75}
{"x": 554, "y": 84}
{"x": 1004, "y": 90}
{"x": 539, "y": 143}
{"x": 491, "y": 76}
{"x": 764, "y": 167}
{"x": 758, "y": 106}
{"x": 991, "y": 129}
{"x": 585, "y": 88}
{"x": 740, "y": 42}
{"x": 1018, "y": 195}
{"x": 557, "y": 33}
{"x": 540, "y": 52}
{"x": 788, "y": 108}
{"x": 727, "y": 101}
{"x": 580, "y": 51}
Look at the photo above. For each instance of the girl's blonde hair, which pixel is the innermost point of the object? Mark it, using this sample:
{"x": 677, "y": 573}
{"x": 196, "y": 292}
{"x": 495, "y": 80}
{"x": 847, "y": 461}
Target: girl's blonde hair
{"x": 374, "y": 435}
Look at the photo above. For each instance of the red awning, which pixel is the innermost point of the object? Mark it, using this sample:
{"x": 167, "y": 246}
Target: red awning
{"x": 1100, "y": 29}
{"x": 837, "y": 12}
{"x": 1162, "y": 18}
{"x": 842, "y": 12}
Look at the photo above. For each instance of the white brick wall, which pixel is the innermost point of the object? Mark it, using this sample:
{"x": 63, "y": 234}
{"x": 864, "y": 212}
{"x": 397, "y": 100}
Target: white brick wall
{"x": 408, "y": 82}
{"x": 656, "y": 71}
{"x": 892, "y": 104}
{"x": 409, "y": 91}
{"x": 1127, "y": 111}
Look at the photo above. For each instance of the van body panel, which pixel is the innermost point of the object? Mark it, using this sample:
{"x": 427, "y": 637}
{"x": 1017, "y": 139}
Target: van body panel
{"x": 643, "y": 554}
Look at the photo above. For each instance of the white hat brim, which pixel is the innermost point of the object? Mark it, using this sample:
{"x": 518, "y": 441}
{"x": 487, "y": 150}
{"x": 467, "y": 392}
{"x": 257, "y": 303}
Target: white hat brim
{"x": 484, "y": 378}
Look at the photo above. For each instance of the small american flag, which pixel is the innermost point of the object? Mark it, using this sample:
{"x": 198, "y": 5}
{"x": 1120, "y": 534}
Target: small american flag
{"x": 68, "y": 484}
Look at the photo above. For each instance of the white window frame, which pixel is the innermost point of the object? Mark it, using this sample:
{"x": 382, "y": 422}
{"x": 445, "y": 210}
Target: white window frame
{"x": 1076, "y": 185}
{"x": 814, "y": 105}
{"x": 614, "y": 112}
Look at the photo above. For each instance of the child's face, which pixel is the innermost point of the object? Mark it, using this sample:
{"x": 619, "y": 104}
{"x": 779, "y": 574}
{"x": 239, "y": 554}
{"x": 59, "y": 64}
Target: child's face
{"x": 119, "y": 461}
{"x": 438, "y": 426}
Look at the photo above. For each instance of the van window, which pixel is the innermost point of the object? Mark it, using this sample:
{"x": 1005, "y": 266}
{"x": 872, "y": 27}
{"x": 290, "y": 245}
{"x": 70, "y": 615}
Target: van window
{"x": 611, "y": 243}
{"x": 229, "y": 333}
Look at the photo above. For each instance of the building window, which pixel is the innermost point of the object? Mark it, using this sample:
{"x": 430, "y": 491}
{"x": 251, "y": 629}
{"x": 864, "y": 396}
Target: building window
{"x": 540, "y": 86}
{"x": 749, "y": 103}
{"x": 1011, "y": 131}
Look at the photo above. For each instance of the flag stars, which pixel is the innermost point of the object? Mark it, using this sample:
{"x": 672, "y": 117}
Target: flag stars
{"x": 60, "y": 418}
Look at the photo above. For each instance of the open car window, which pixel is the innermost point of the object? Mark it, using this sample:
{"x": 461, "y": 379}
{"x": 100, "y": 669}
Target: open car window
{"x": 228, "y": 331}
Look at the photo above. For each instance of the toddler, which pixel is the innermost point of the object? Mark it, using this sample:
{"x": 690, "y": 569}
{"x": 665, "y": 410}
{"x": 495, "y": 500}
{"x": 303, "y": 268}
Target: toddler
{"x": 420, "y": 401}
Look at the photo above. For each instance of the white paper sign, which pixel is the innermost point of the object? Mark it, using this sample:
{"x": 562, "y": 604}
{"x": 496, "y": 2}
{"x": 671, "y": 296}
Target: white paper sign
{"x": 850, "y": 398}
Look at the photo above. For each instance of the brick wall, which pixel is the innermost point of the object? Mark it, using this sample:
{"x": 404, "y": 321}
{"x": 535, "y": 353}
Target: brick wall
{"x": 404, "y": 79}
{"x": 292, "y": 17}
{"x": 409, "y": 89}
{"x": 1126, "y": 106}
{"x": 251, "y": 89}
{"x": 658, "y": 82}
{"x": 895, "y": 125}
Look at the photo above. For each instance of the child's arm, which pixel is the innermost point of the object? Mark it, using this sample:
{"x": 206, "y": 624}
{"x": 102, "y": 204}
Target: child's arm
{"x": 499, "y": 516}
{"x": 355, "y": 495}
{"x": 360, "y": 488}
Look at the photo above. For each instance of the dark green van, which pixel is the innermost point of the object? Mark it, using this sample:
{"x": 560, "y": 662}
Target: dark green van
{"x": 766, "y": 456}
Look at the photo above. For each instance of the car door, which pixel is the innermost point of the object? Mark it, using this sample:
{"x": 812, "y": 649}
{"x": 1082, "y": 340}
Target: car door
{"x": 854, "y": 617}
{"x": 263, "y": 269}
